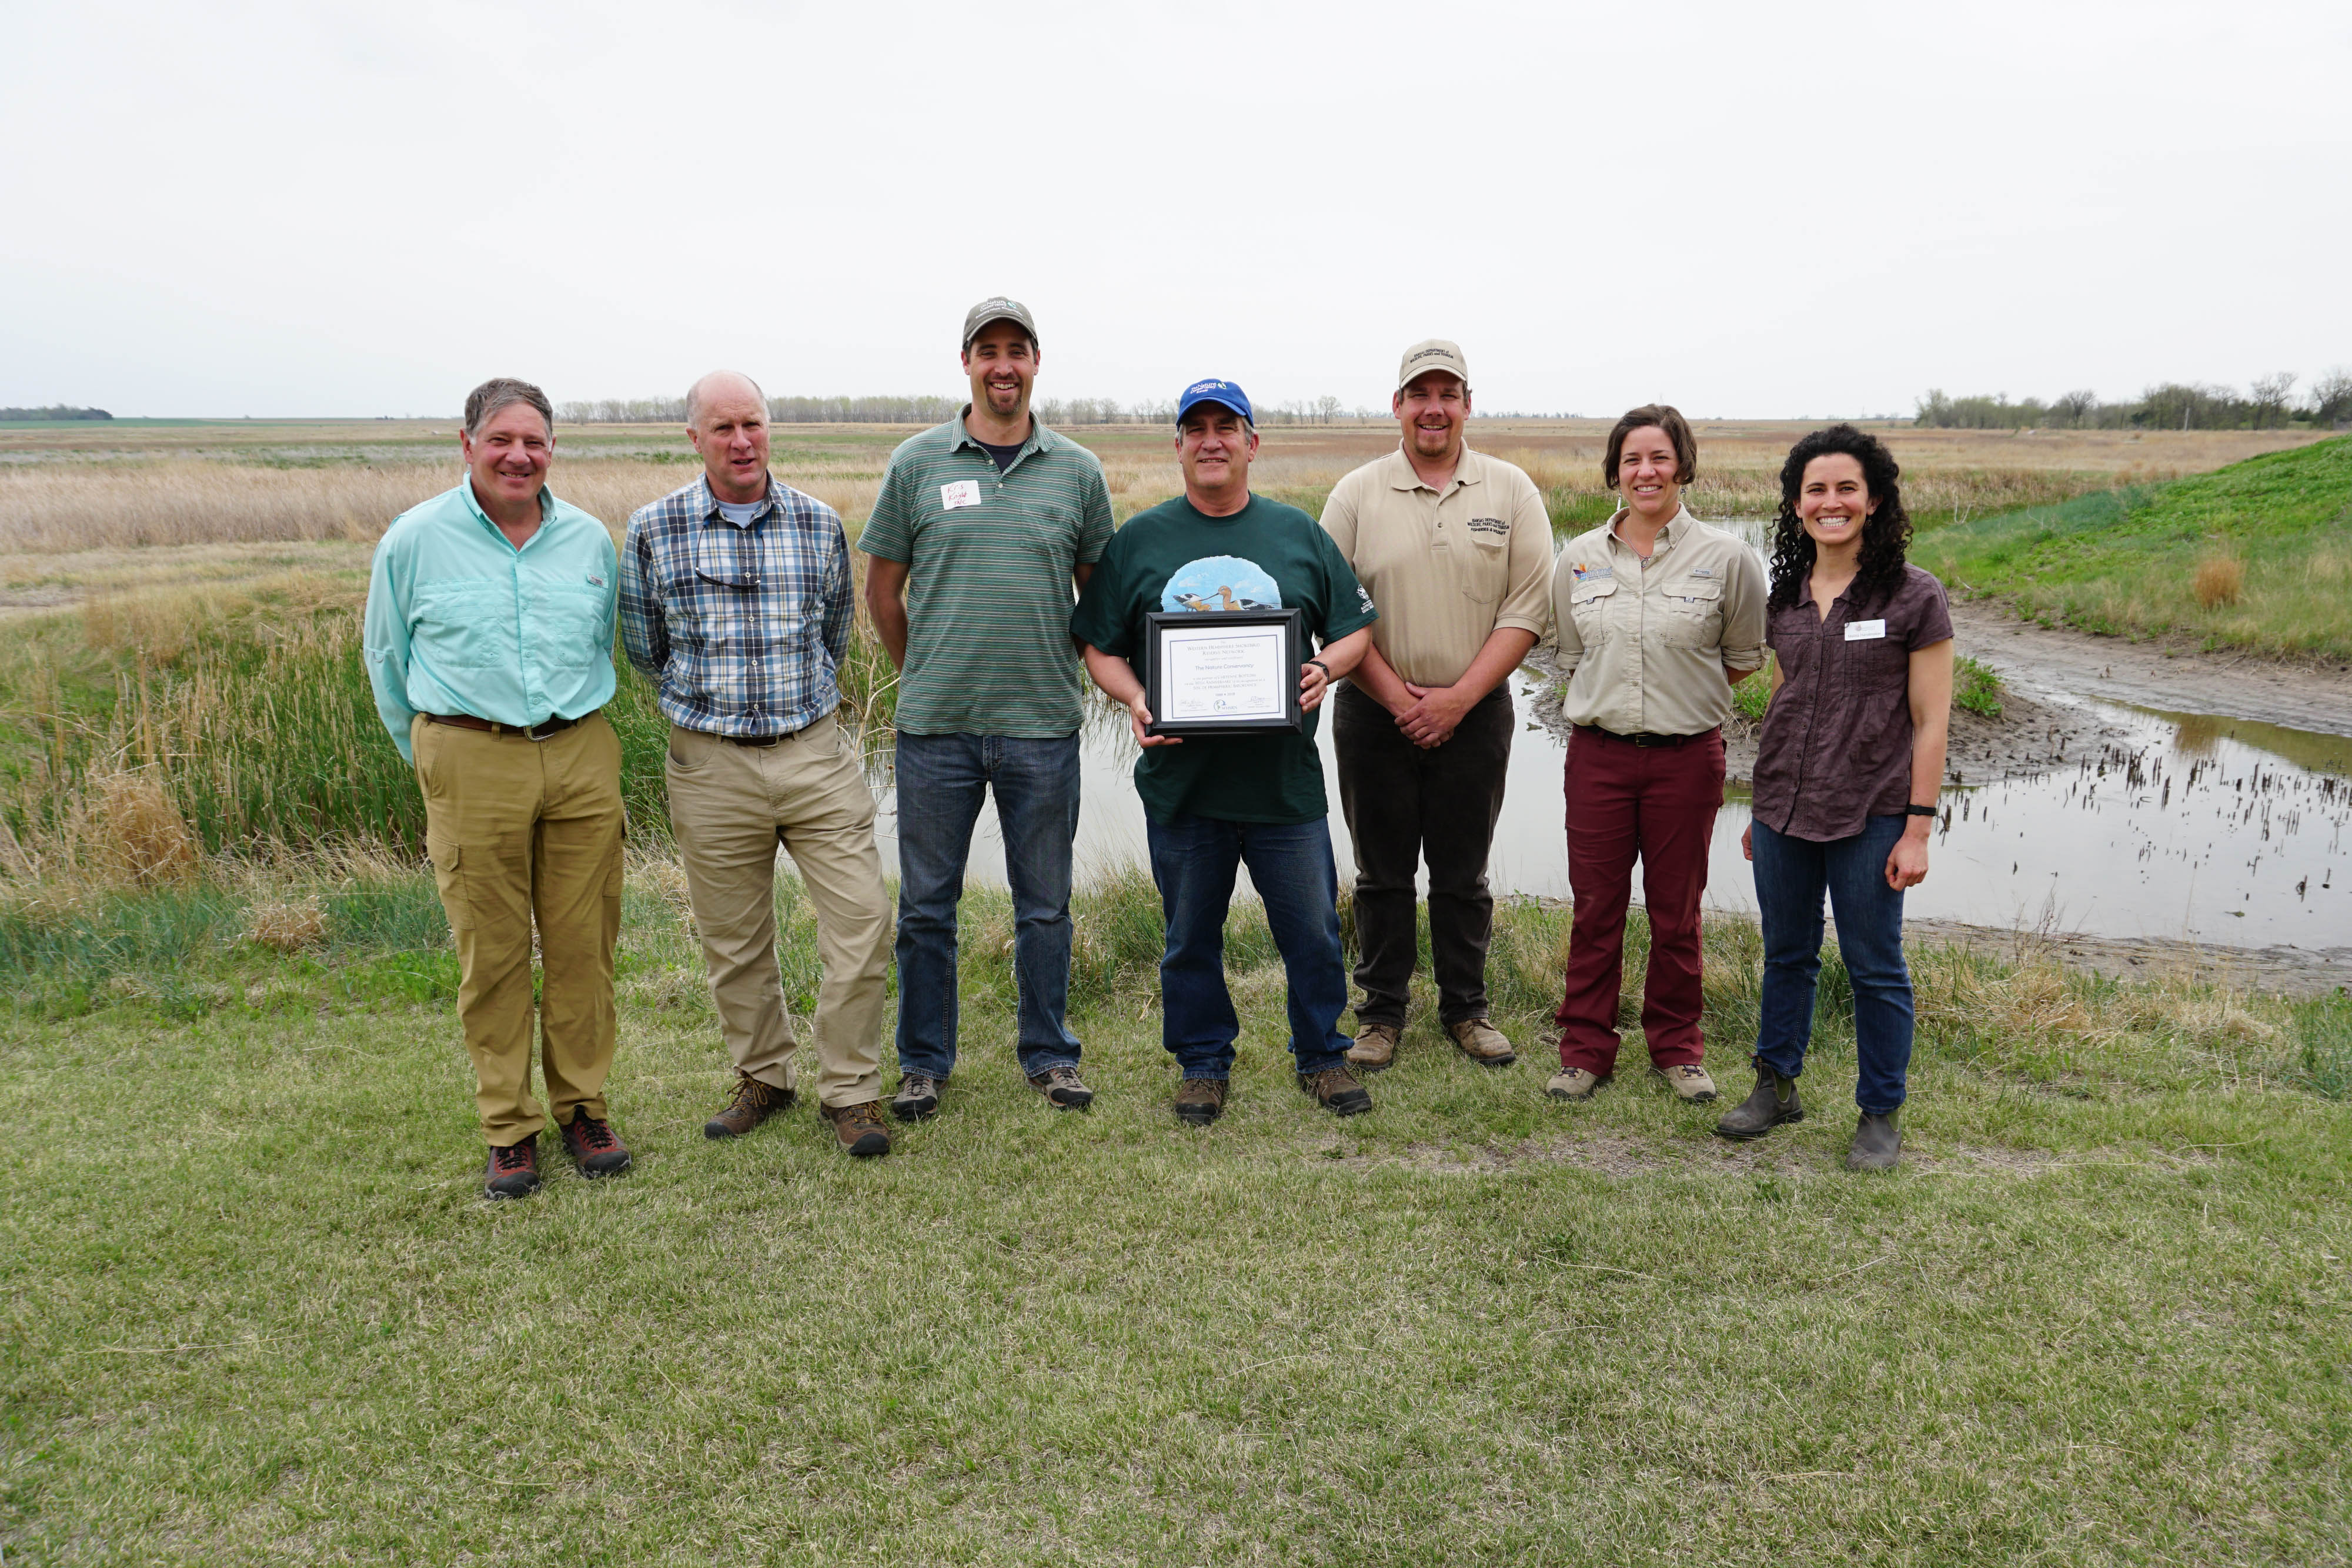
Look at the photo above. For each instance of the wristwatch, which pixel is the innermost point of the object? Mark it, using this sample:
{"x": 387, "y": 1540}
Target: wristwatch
{"x": 1922, "y": 811}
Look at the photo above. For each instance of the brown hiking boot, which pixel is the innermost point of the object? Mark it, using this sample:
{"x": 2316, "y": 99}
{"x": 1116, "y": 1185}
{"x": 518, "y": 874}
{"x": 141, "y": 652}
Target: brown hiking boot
{"x": 1375, "y": 1047}
{"x": 859, "y": 1127}
{"x": 918, "y": 1097}
{"x": 1772, "y": 1102}
{"x": 513, "y": 1170}
{"x": 1482, "y": 1043}
{"x": 1689, "y": 1081}
{"x": 593, "y": 1147}
{"x": 1063, "y": 1088}
{"x": 1574, "y": 1083}
{"x": 751, "y": 1103}
{"x": 1201, "y": 1101}
{"x": 1335, "y": 1089}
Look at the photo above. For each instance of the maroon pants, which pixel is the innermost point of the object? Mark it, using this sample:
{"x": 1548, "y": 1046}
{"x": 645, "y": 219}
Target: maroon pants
{"x": 1658, "y": 803}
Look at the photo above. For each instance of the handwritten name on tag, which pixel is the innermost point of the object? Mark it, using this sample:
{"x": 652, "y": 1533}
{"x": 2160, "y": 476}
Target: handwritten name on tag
{"x": 963, "y": 493}
{"x": 1864, "y": 630}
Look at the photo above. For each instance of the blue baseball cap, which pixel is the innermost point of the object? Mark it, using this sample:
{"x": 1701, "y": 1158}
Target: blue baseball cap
{"x": 1223, "y": 393}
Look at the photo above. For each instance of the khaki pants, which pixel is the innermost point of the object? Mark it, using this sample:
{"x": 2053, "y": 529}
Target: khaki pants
{"x": 730, "y": 807}
{"x": 525, "y": 832}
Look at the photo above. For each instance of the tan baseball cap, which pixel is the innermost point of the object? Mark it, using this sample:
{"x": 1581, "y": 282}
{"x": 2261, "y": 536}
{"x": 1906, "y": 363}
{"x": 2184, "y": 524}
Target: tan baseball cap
{"x": 1431, "y": 354}
{"x": 998, "y": 309}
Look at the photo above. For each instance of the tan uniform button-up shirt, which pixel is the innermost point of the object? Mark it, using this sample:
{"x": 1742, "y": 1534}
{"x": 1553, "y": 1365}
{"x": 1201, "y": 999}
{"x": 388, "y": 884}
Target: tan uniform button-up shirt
{"x": 1645, "y": 646}
{"x": 1447, "y": 570}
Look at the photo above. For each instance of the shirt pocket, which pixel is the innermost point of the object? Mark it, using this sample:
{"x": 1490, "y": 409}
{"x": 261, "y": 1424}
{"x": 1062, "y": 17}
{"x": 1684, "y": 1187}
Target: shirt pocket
{"x": 567, "y": 630}
{"x": 1693, "y": 613}
{"x": 1485, "y": 567}
{"x": 1588, "y": 606}
{"x": 463, "y": 625}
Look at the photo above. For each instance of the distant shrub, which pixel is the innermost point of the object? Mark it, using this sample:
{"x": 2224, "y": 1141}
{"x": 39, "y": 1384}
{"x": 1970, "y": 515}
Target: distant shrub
{"x": 2220, "y": 579}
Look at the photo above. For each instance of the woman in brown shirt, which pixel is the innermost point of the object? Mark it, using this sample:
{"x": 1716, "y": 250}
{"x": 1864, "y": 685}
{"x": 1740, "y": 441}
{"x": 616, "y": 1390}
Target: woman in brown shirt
{"x": 1847, "y": 771}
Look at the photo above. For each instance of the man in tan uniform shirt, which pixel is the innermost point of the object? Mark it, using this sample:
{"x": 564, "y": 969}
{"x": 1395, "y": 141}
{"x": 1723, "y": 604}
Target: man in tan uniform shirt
{"x": 1456, "y": 549}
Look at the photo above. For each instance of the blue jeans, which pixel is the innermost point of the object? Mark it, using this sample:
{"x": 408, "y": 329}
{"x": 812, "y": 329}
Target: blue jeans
{"x": 1790, "y": 875}
{"x": 942, "y": 778}
{"x": 1193, "y": 861}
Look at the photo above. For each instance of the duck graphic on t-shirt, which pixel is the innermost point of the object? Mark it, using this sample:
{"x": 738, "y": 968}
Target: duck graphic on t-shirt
{"x": 1220, "y": 582}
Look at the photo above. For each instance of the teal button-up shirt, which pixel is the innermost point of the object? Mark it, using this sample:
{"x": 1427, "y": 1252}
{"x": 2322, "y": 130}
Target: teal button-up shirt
{"x": 459, "y": 621}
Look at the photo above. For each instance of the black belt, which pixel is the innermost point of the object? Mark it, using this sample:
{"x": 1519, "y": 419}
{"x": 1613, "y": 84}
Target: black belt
{"x": 759, "y": 742}
{"x": 1646, "y": 738}
{"x": 491, "y": 726}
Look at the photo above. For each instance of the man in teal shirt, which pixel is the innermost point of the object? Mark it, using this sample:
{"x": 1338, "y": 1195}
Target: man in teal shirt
{"x": 490, "y": 645}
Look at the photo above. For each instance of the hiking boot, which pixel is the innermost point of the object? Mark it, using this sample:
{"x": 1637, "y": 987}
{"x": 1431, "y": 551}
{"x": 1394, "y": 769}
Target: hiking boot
{"x": 1375, "y": 1047}
{"x": 917, "y": 1098}
{"x": 1574, "y": 1083}
{"x": 593, "y": 1147}
{"x": 1772, "y": 1102}
{"x": 1063, "y": 1088}
{"x": 1201, "y": 1101}
{"x": 1482, "y": 1043}
{"x": 859, "y": 1127}
{"x": 751, "y": 1103}
{"x": 1335, "y": 1089}
{"x": 1689, "y": 1081}
{"x": 1878, "y": 1142}
{"x": 513, "y": 1170}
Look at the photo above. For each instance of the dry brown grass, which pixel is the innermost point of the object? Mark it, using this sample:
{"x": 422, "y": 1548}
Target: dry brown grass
{"x": 133, "y": 833}
{"x": 287, "y": 926}
{"x": 2220, "y": 579}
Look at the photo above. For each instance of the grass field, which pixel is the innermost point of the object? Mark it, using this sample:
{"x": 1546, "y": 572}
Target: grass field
{"x": 2257, "y": 555}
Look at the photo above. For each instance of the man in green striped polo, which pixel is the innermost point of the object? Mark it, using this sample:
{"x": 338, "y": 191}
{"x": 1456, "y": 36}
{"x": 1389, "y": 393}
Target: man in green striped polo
{"x": 983, "y": 529}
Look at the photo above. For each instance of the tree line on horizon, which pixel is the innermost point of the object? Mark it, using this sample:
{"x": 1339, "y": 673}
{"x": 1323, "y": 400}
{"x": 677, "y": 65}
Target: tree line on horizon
{"x": 2269, "y": 403}
{"x": 1059, "y": 412}
{"x": 56, "y": 411}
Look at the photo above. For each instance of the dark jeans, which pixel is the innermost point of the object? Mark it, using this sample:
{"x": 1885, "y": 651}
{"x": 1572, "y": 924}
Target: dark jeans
{"x": 1790, "y": 874}
{"x": 1194, "y": 860}
{"x": 1404, "y": 804}
{"x": 942, "y": 778}
{"x": 1658, "y": 803}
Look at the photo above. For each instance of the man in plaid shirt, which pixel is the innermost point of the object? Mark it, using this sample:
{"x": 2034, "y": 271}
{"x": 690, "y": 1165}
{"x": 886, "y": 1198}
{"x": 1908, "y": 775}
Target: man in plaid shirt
{"x": 735, "y": 597}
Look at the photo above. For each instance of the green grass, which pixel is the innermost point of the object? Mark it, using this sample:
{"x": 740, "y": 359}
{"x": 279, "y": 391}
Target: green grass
{"x": 255, "y": 1311}
{"x": 2124, "y": 562}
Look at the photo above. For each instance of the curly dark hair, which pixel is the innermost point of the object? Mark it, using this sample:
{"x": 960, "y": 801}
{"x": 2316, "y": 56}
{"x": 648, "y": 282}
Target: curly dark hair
{"x": 1883, "y": 536}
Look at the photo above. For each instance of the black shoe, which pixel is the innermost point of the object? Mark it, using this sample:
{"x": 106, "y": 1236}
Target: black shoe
{"x": 1878, "y": 1143}
{"x": 1772, "y": 1102}
{"x": 1201, "y": 1101}
{"x": 1335, "y": 1089}
{"x": 593, "y": 1147}
{"x": 513, "y": 1170}
{"x": 918, "y": 1097}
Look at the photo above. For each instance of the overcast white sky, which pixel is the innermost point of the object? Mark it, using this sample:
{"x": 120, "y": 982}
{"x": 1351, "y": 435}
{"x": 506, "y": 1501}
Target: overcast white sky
{"x": 283, "y": 209}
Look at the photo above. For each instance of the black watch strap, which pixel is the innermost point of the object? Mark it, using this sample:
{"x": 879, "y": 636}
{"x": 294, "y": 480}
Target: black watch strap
{"x": 1322, "y": 666}
{"x": 1921, "y": 810}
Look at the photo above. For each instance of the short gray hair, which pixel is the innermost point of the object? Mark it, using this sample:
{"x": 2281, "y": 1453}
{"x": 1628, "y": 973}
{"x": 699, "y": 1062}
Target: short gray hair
{"x": 505, "y": 391}
{"x": 694, "y": 395}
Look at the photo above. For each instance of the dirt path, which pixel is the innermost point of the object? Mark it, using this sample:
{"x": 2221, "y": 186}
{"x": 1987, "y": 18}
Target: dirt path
{"x": 2171, "y": 678}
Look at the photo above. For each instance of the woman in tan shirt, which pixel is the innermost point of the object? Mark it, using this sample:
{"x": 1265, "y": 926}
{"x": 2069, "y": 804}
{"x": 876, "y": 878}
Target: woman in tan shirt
{"x": 1659, "y": 616}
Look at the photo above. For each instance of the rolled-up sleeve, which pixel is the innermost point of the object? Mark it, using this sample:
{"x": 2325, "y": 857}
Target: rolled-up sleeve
{"x": 384, "y": 637}
{"x": 645, "y": 637}
{"x": 1743, "y": 614}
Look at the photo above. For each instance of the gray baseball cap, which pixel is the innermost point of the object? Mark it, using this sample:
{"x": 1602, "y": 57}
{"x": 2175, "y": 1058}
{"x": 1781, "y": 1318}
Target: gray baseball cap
{"x": 998, "y": 309}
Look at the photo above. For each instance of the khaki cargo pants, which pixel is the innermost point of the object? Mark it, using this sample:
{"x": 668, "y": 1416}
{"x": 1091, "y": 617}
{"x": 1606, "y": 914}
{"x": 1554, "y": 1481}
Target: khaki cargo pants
{"x": 731, "y": 806}
{"x": 525, "y": 832}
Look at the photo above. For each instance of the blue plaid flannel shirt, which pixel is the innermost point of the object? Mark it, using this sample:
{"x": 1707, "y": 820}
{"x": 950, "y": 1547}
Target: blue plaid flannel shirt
{"x": 743, "y": 627}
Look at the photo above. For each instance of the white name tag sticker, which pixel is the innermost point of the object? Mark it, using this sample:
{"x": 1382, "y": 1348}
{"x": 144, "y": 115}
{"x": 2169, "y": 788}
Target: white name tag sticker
{"x": 1864, "y": 630}
{"x": 963, "y": 493}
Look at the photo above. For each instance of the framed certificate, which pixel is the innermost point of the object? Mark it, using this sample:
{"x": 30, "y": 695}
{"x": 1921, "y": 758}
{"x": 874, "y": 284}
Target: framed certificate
{"x": 1223, "y": 672}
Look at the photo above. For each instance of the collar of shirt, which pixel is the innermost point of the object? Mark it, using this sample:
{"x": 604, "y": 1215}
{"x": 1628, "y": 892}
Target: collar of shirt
{"x": 546, "y": 515}
{"x": 1470, "y": 470}
{"x": 709, "y": 499}
{"x": 1040, "y": 438}
{"x": 1676, "y": 527}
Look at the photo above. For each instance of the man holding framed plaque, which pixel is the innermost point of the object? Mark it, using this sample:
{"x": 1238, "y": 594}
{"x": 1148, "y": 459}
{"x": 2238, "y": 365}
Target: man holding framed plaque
{"x": 1457, "y": 546}
{"x": 1216, "y": 595}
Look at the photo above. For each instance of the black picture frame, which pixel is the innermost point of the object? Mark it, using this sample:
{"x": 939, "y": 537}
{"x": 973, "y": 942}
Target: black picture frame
{"x": 1296, "y": 653}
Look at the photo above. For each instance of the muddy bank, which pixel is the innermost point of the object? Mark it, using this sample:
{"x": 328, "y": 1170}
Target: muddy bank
{"x": 2277, "y": 971}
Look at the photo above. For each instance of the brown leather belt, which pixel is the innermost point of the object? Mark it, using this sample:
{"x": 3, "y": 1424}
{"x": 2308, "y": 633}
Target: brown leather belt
{"x": 1644, "y": 738}
{"x": 489, "y": 726}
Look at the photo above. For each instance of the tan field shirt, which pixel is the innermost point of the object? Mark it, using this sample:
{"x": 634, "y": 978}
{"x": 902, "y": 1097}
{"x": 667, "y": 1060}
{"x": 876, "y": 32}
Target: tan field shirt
{"x": 1645, "y": 646}
{"x": 1447, "y": 570}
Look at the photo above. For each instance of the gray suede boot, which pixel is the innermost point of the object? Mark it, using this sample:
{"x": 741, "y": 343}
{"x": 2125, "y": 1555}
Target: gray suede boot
{"x": 1877, "y": 1142}
{"x": 1773, "y": 1102}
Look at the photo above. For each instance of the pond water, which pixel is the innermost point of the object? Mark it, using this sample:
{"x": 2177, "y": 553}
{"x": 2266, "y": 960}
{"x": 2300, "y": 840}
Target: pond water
{"x": 2219, "y": 830}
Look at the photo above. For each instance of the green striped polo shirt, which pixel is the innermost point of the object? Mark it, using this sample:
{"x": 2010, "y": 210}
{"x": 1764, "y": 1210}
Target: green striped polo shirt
{"x": 989, "y": 558}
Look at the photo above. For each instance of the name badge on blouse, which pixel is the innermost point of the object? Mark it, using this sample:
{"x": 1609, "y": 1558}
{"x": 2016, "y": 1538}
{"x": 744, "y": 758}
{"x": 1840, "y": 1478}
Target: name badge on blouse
{"x": 1864, "y": 630}
{"x": 963, "y": 493}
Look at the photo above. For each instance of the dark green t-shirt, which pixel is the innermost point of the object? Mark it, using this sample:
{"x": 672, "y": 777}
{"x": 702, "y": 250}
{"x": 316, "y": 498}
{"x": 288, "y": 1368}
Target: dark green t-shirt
{"x": 1266, "y": 556}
